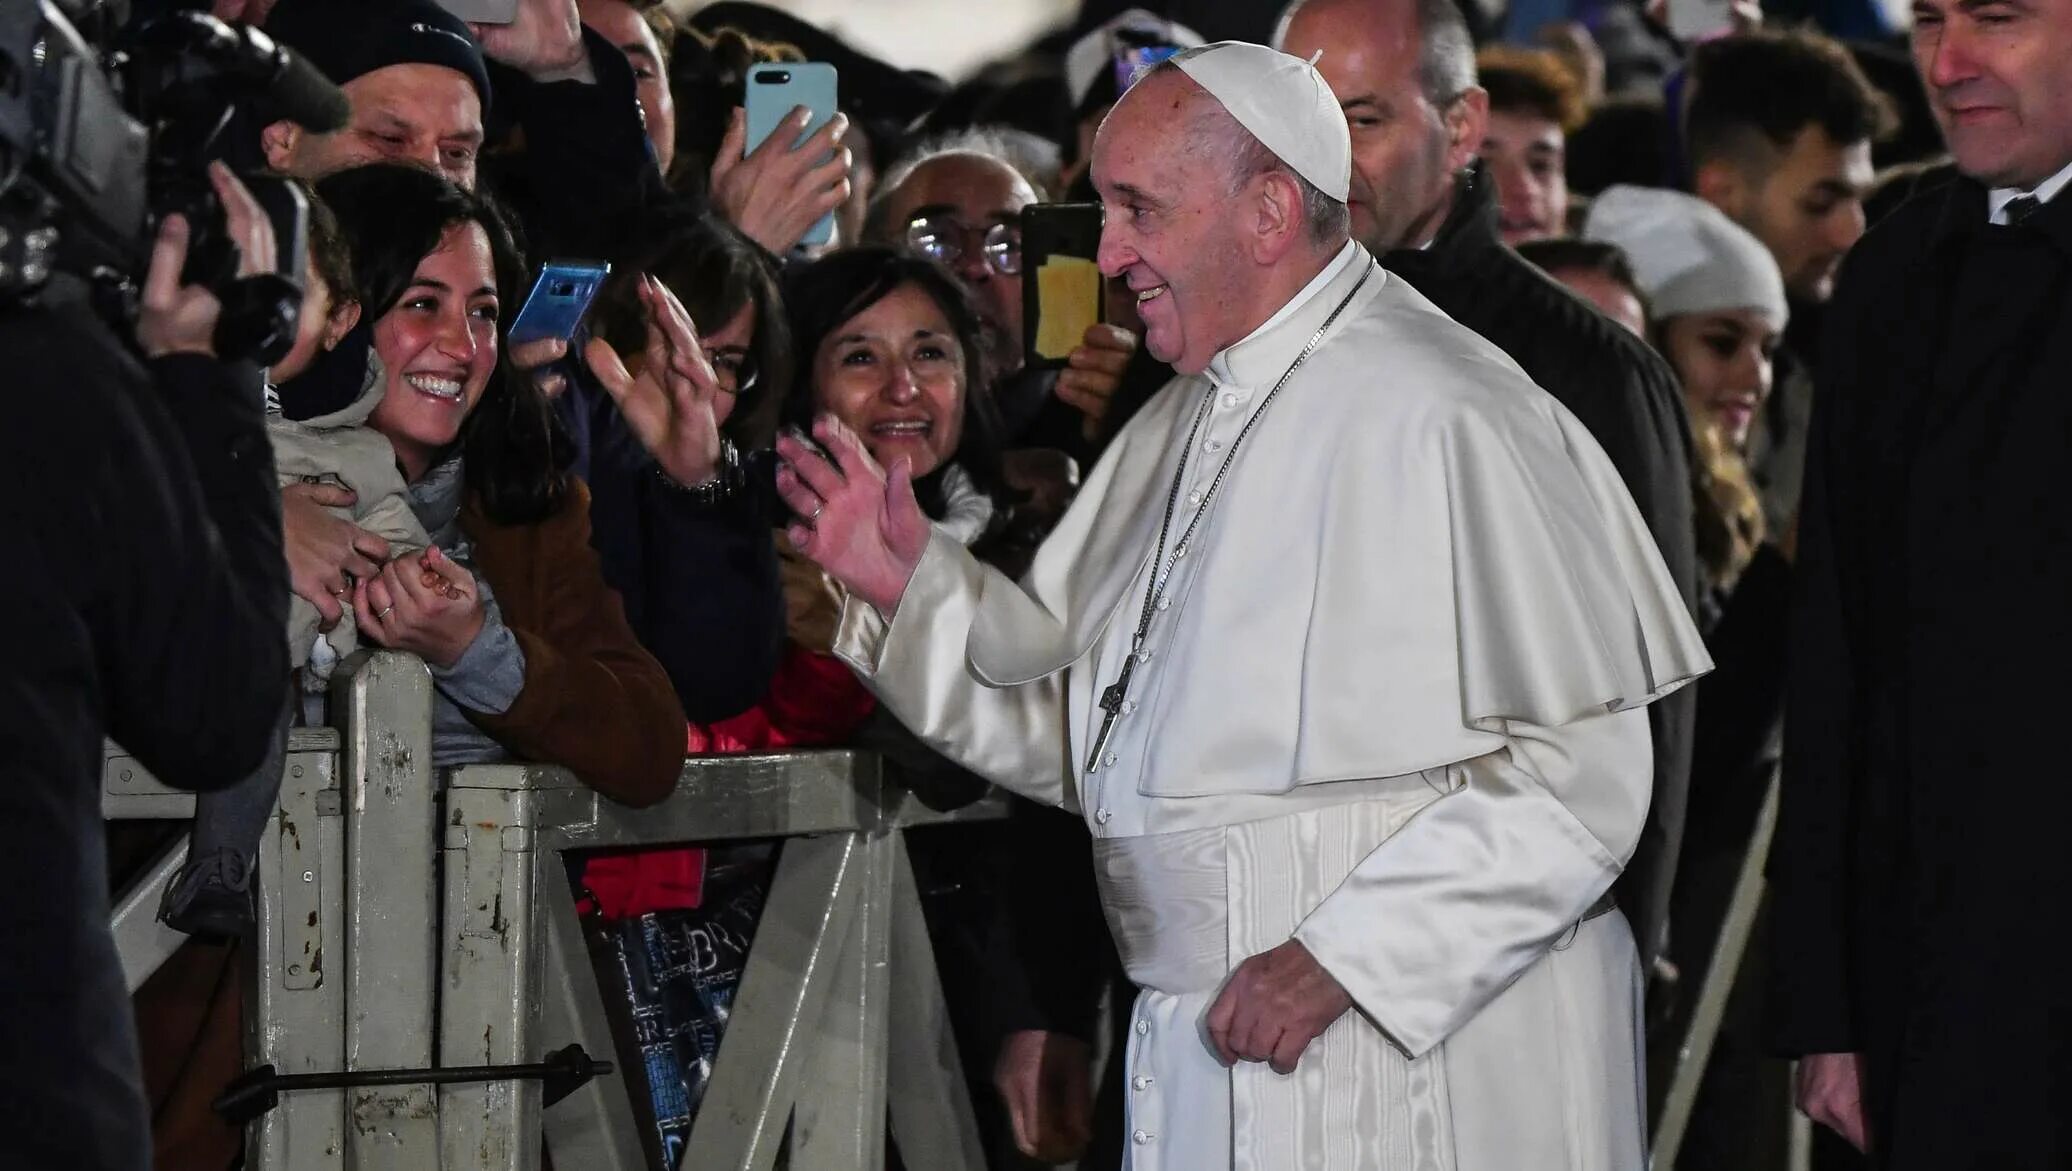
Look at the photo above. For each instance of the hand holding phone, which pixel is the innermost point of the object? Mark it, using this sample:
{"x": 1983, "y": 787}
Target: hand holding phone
{"x": 1062, "y": 293}
{"x": 802, "y": 171}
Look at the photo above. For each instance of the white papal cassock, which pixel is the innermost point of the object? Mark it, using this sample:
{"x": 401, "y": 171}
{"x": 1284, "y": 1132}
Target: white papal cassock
{"x": 1388, "y": 705}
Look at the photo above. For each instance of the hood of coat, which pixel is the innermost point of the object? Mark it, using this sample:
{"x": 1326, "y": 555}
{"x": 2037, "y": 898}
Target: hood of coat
{"x": 340, "y": 389}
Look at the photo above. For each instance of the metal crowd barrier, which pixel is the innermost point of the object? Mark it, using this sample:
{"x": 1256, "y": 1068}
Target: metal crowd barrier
{"x": 1694, "y": 1051}
{"x": 419, "y": 922}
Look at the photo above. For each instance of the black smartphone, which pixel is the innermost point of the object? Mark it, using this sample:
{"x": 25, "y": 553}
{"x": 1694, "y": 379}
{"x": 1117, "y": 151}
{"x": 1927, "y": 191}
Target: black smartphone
{"x": 1062, "y": 290}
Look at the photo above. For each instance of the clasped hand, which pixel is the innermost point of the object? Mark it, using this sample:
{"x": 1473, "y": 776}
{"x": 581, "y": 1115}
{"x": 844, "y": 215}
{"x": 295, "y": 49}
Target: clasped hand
{"x": 1273, "y": 1006}
{"x": 421, "y": 603}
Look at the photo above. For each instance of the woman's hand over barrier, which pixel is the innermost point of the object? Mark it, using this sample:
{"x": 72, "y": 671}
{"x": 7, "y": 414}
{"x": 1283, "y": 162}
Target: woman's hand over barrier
{"x": 324, "y": 552}
{"x": 422, "y": 603}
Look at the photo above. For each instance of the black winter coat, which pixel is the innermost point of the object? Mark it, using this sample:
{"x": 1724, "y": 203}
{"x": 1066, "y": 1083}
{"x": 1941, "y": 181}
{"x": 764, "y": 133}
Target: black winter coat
{"x": 1918, "y": 872}
{"x": 1629, "y": 400}
{"x": 700, "y": 583}
{"x": 144, "y": 599}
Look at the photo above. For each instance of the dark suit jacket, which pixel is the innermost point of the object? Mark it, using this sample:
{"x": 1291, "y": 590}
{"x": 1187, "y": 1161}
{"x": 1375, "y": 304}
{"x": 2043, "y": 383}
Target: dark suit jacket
{"x": 1918, "y": 872}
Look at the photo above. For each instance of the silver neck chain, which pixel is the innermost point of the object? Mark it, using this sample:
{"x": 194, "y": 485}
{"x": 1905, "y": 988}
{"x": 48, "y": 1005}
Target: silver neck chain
{"x": 1113, "y": 698}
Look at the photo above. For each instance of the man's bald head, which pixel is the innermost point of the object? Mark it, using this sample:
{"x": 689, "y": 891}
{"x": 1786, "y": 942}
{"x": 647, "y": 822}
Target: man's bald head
{"x": 961, "y": 192}
{"x": 1404, "y": 73}
{"x": 1446, "y": 50}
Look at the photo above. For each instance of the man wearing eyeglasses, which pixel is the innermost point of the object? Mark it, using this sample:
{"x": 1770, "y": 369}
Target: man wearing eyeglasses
{"x": 1404, "y": 73}
{"x": 960, "y": 203}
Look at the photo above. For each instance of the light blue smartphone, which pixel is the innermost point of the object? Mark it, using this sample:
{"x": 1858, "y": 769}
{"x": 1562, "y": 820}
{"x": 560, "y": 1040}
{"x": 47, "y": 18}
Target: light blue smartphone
{"x": 558, "y": 301}
{"x": 774, "y": 91}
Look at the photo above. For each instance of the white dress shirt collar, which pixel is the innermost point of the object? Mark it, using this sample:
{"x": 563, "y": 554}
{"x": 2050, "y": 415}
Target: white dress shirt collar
{"x": 1999, "y": 197}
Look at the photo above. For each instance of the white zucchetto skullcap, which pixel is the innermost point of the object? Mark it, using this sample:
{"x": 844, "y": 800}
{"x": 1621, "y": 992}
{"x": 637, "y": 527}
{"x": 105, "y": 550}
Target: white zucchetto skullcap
{"x": 1284, "y": 102}
{"x": 1095, "y": 51}
{"x": 1687, "y": 255}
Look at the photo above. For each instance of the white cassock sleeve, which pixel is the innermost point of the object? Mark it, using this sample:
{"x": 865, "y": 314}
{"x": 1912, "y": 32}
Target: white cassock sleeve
{"x": 1014, "y": 736}
{"x": 1476, "y": 888}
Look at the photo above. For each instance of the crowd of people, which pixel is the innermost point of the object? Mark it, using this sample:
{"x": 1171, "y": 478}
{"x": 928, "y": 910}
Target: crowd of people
{"x": 701, "y": 526}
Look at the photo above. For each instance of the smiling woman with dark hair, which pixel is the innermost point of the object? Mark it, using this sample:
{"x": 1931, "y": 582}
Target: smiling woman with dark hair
{"x": 894, "y": 347}
{"x": 529, "y": 651}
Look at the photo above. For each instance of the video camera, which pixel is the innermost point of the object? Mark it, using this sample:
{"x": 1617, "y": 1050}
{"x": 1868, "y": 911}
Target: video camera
{"x": 108, "y": 126}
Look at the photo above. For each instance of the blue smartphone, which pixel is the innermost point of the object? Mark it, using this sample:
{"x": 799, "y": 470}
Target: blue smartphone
{"x": 558, "y": 301}
{"x": 774, "y": 91}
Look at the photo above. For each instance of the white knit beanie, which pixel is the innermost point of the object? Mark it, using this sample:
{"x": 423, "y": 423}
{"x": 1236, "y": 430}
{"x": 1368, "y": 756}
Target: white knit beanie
{"x": 1688, "y": 256}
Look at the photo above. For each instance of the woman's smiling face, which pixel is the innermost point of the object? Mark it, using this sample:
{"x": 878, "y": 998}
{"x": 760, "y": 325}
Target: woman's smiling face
{"x": 894, "y": 374}
{"x": 438, "y": 346}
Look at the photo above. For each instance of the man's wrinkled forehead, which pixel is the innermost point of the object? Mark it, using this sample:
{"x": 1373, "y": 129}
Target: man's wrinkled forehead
{"x": 1152, "y": 126}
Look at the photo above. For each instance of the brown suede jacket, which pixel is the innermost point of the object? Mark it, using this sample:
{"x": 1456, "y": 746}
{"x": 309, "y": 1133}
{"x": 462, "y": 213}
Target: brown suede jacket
{"x": 594, "y": 700}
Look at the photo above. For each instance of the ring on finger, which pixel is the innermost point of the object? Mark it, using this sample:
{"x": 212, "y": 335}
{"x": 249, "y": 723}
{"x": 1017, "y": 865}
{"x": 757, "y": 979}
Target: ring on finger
{"x": 384, "y": 611}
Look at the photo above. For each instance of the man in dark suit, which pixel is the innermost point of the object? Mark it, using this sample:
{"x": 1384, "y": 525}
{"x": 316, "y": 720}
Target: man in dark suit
{"x": 1921, "y": 970}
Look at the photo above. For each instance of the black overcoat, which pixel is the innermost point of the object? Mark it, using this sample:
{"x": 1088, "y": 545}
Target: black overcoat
{"x": 1921, "y": 860}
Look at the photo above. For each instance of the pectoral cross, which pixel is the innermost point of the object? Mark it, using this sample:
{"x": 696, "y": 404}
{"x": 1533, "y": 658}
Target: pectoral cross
{"x": 1111, "y": 703}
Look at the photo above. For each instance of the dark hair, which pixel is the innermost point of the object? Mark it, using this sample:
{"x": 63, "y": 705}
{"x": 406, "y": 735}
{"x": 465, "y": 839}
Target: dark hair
{"x": 841, "y": 285}
{"x": 708, "y": 77}
{"x": 1531, "y": 81}
{"x": 1570, "y": 254}
{"x": 716, "y": 272}
{"x": 1624, "y": 140}
{"x": 1766, "y": 87}
{"x": 393, "y": 217}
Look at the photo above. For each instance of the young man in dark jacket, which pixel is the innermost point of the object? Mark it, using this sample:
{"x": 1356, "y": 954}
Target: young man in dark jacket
{"x": 144, "y": 600}
{"x": 1404, "y": 71}
{"x": 1779, "y": 133}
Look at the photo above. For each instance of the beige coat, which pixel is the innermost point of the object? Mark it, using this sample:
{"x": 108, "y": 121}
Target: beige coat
{"x": 341, "y": 449}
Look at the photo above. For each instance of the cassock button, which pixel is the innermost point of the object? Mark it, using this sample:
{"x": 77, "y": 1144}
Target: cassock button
{"x": 1165, "y": 603}
{"x": 1141, "y": 1082}
{"x": 1229, "y": 400}
{"x": 1213, "y": 446}
{"x": 1110, "y": 762}
{"x": 1141, "y": 1137}
{"x": 1143, "y": 1027}
{"x": 1128, "y": 706}
{"x": 1194, "y": 498}
{"x": 1144, "y": 656}
{"x": 1101, "y": 816}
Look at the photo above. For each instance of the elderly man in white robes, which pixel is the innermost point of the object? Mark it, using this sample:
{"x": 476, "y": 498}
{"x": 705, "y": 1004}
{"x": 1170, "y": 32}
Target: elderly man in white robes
{"x": 1341, "y": 652}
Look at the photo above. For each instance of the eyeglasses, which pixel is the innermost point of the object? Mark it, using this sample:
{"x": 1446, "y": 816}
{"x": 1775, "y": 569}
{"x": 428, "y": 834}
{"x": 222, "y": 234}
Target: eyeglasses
{"x": 735, "y": 369}
{"x": 946, "y": 241}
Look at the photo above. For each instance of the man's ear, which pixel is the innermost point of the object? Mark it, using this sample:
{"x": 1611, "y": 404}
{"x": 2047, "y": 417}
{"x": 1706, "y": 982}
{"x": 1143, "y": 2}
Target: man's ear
{"x": 278, "y": 141}
{"x": 344, "y": 315}
{"x": 1721, "y": 184}
{"x": 1467, "y": 124}
{"x": 1279, "y": 211}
